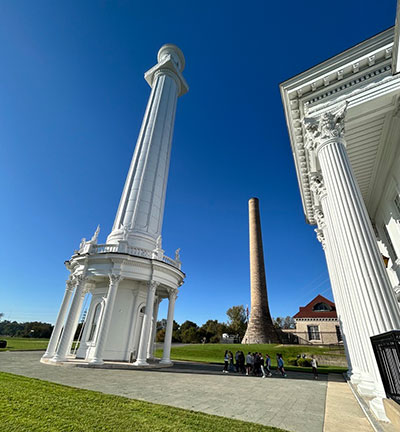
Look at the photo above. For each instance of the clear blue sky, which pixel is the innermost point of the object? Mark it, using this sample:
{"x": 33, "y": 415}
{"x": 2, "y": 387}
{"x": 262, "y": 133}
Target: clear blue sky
{"x": 72, "y": 97}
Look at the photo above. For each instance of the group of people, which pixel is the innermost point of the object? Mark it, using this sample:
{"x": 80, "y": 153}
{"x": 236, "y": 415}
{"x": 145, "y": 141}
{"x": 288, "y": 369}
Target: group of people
{"x": 253, "y": 364}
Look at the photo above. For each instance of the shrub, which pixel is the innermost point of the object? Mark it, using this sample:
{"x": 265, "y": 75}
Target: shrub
{"x": 304, "y": 362}
{"x": 292, "y": 361}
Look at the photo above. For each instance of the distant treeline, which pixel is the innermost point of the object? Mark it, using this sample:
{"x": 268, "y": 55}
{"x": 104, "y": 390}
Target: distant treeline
{"x": 34, "y": 329}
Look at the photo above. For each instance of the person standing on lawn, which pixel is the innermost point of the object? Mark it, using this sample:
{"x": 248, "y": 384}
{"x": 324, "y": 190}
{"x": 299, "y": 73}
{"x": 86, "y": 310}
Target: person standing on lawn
{"x": 314, "y": 366}
{"x": 281, "y": 364}
{"x": 226, "y": 362}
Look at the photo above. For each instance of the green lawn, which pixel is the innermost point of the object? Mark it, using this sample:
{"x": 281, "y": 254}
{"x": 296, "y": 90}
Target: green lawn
{"x": 31, "y": 405}
{"x": 214, "y": 353}
{"x": 24, "y": 344}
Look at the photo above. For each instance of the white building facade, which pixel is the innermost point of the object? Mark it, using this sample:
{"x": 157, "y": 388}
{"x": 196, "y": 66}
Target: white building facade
{"x": 343, "y": 118}
{"x": 129, "y": 276}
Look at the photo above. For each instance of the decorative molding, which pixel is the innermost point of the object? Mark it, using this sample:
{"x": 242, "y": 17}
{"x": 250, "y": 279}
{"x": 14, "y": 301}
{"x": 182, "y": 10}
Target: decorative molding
{"x": 317, "y": 185}
{"x": 326, "y": 127}
{"x": 320, "y": 237}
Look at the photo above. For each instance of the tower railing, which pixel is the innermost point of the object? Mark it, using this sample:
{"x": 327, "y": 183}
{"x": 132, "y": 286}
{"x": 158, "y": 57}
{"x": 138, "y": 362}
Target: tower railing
{"x": 134, "y": 251}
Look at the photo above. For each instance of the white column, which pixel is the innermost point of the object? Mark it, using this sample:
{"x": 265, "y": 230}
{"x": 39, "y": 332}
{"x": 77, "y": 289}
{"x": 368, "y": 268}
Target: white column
{"x": 55, "y": 335}
{"x": 371, "y": 297}
{"x": 173, "y": 294}
{"x": 146, "y": 327}
{"x": 115, "y": 279}
{"x": 140, "y": 213}
{"x": 70, "y": 324}
{"x": 150, "y": 348}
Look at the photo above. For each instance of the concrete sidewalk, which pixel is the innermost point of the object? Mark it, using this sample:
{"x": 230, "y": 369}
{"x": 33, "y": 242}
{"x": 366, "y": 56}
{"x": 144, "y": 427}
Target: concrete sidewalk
{"x": 342, "y": 411}
{"x": 295, "y": 403}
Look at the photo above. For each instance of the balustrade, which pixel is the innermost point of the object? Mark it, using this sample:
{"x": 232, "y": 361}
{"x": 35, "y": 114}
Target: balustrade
{"x": 134, "y": 251}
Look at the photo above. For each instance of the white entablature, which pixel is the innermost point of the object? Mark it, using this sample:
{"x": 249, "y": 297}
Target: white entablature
{"x": 355, "y": 76}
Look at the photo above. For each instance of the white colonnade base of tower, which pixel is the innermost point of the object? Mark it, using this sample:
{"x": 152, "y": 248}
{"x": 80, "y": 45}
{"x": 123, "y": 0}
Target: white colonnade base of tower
{"x": 128, "y": 277}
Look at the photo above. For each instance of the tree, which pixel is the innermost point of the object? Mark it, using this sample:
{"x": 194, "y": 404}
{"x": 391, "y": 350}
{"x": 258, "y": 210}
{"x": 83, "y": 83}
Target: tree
{"x": 212, "y": 330}
{"x": 1, "y": 315}
{"x": 237, "y": 320}
{"x": 284, "y": 322}
{"x": 176, "y": 332}
{"x": 160, "y": 335}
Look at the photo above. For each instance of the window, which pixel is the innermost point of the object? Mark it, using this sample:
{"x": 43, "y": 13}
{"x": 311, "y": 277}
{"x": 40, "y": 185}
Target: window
{"x": 389, "y": 244}
{"x": 322, "y": 307}
{"x": 339, "y": 334}
{"x": 313, "y": 332}
{"x": 94, "y": 321}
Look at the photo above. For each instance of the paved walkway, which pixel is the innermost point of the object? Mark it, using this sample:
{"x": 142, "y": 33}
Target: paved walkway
{"x": 295, "y": 403}
{"x": 342, "y": 411}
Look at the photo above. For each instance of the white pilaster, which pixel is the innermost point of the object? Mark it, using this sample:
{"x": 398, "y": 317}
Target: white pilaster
{"x": 70, "y": 324}
{"x": 371, "y": 297}
{"x": 115, "y": 279}
{"x": 140, "y": 212}
{"x": 146, "y": 327}
{"x": 166, "y": 358}
{"x": 55, "y": 335}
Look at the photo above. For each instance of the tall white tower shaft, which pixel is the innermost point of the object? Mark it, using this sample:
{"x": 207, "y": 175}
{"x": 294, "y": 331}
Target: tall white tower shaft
{"x": 140, "y": 212}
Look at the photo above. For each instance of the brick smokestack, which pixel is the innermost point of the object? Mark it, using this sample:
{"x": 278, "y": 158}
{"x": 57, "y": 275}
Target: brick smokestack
{"x": 260, "y": 328}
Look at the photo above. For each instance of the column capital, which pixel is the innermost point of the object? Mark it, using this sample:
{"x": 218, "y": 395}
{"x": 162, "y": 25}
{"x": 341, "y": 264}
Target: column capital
{"x": 153, "y": 285}
{"x": 80, "y": 279}
{"x": 115, "y": 278}
{"x": 172, "y": 294}
{"x": 327, "y": 127}
{"x": 70, "y": 284}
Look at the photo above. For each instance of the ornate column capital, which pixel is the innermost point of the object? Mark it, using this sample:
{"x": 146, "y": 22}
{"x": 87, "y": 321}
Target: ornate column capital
{"x": 325, "y": 128}
{"x": 81, "y": 278}
{"x": 115, "y": 278}
{"x": 153, "y": 285}
{"x": 172, "y": 294}
{"x": 70, "y": 284}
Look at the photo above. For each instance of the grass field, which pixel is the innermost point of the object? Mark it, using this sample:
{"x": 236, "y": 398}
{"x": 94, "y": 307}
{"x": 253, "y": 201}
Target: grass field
{"x": 24, "y": 344}
{"x": 214, "y": 353}
{"x": 31, "y": 405}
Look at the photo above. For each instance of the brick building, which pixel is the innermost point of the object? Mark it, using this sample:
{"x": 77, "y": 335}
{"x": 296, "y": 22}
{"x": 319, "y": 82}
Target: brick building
{"x": 317, "y": 323}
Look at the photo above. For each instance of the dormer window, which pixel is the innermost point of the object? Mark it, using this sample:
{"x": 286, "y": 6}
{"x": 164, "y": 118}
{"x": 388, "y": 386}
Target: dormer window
{"x": 322, "y": 307}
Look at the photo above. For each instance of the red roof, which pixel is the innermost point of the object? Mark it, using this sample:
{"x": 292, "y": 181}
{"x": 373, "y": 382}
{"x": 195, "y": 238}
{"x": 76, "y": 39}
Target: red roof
{"x": 309, "y": 312}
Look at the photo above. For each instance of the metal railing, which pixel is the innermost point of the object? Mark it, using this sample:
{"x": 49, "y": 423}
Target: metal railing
{"x": 134, "y": 251}
{"x": 387, "y": 353}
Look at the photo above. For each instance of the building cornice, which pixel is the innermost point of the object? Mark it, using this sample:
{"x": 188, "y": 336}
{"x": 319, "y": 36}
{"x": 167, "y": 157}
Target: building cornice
{"x": 323, "y": 87}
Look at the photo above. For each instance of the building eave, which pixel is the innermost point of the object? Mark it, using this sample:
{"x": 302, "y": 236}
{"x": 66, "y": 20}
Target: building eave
{"x": 318, "y": 88}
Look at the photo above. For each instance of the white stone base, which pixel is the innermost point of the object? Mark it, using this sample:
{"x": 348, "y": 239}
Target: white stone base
{"x": 378, "y": 409}
{"x": 96, "y": 361}
{"x": 166, "y": 362}
{"x": 140, "y": 363}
